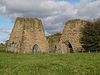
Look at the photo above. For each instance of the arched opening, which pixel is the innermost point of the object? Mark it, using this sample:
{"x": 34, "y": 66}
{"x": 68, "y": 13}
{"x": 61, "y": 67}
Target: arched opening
{"x": 13, "y": 46}
{"x": 55, "y": 47}
{"x": 70, "y": 48}
{"x": 35, "y": 48}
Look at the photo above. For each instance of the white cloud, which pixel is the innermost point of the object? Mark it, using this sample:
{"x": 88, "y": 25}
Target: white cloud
{"x": 2, "y": 30}
{"x": 47, "y": 34}
{"x": 89, "y": 9}
{"x": 2, "y": 9}
{"x": 54, "y": 13}
{"x": 3, "y": 34}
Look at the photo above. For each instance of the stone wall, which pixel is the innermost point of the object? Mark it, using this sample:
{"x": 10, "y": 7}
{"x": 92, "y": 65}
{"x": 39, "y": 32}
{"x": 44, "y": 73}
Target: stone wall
{"x": 53, "y": 40}
{"x": 70, "y": 39}
{"x": 26, "y": 34}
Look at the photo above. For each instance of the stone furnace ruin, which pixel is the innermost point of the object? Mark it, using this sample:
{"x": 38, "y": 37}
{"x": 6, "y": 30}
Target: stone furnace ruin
{"x": 28, "y": 36}
{"x": 70, "y": 39}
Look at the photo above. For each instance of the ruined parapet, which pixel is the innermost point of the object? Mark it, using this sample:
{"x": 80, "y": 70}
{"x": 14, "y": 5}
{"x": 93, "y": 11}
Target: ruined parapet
{"x": 28, "y": 36}
{"x": 53, "y": 40}
{"x": 70, "y": 39}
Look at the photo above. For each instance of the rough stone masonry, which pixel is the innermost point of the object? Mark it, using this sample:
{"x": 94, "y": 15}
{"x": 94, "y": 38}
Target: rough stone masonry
{"x": 70, "y": 39}
{"x": 28, "y": 36}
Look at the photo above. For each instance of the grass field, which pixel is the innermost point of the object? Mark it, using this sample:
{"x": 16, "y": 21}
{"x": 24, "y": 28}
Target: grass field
{"x": 50, "y": 64}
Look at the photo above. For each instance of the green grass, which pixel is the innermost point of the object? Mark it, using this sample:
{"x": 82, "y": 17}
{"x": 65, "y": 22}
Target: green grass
{"x": 50, "y": 64}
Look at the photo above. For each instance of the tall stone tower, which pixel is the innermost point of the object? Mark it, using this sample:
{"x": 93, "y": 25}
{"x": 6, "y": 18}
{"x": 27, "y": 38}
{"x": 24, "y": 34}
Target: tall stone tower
{"x": 28, "y": 36}
{"x": 70, "y": 39}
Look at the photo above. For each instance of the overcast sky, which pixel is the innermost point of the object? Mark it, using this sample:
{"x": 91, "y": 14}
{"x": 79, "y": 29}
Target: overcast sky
{"x": 53, "y": 13}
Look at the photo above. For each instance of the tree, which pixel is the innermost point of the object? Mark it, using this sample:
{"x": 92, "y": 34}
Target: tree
{"x": 2, "y": 47}
{"x": 91, "y": 36}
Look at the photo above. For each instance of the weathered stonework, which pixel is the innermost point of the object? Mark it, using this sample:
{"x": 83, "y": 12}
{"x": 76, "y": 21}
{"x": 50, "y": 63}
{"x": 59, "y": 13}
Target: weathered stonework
{"x": 70, "y": 39}
{"x": 53, "y": 40}
{"x": 28, "y": 36}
